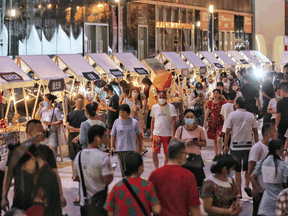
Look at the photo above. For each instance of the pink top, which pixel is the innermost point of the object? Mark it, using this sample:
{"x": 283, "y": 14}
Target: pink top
{"x": 189, "y": 135}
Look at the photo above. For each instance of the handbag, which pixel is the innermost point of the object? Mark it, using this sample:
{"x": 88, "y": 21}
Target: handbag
{"x": 94, "y": 205}
{"x": 47, "y": 131}
{"x": 62, "y": 135}
{"x": 140, "y": 204}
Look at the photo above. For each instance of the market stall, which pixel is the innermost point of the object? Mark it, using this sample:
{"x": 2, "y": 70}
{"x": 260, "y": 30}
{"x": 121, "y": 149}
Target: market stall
{"x": 131, "y": 65}
{"x": 224, "y": 59}
{"x": 79, "y": 70}
{"x": 284, "y": 58}
{"x": 154, "y": 66}
{"x": 250, "y": 58}
{"x": 194, "y": 61}
{"x": 104, "y": 65}
{"x": 238, "y": 59}
{"x": 266, "y": 63}
{"x": 210, "y": 60}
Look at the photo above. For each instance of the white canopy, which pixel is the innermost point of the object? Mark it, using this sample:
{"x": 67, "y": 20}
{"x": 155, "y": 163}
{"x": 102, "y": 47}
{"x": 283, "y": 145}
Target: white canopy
{"x": 222, "y": 56}
{"x": 11, "y": 76}
{"x": 210, "y": 59}
{"x": 261, "y": 56}
{"x": 250, "y": 57}
{"x": 104, "y": 64}
{"x": 135, "y": 67}
{"x": 174, "y": 59}
{"x": 193, "y": 59}
{"x": 77, "y": 65}
{"x": 237, "y": 57}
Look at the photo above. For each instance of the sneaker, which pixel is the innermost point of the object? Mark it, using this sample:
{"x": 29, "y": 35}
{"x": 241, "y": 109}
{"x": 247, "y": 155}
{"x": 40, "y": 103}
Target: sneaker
{"x": 76, "y": 202}
{"x": 215, "y": 158}
{"x": 144, "y": 151}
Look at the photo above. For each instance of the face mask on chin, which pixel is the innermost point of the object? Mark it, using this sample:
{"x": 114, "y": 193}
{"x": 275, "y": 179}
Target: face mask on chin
{"x": 162, "y": 101}
{"x": 231, "y": 174}
{"x": 101, "y": 147}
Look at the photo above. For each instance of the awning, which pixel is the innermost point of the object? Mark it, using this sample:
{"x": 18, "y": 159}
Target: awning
{"x": 208, "y": 58}
{"x": 43, "y": 67}
{"x": 250, "y": 57}
{"x": 237, "y": 57}
{"x": 104, "y": 64}
{"x": 224, "y": 58}
{"x": 75, "y": 65}
{"x": 131, "y": 63}
{"x": 11, "y": 76}
{"x": 192, "y": 59}
{"x": 260, "y": 56}
{"x": 154, "y": 66}
{"x": 172, "y": 61}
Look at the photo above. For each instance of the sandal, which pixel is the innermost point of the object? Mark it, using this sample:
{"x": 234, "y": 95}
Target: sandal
{"x": 248, "y": 191}
{"x": 76, "y": 201}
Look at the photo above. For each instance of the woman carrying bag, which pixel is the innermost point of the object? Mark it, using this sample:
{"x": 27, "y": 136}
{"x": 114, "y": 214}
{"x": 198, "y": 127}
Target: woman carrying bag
{"x": 194, "y": 138}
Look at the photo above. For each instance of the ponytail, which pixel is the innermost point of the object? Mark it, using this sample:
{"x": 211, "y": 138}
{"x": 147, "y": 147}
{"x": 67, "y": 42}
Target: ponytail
{"x": 91, "y": 109}
{"x": 275, "y": 145}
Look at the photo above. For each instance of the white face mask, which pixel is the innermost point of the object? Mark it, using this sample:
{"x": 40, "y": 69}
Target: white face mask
{"x": 231, "y": 174}
{"x": 162, "y": 101}
{"x": 101, "y": 147}
{"x": 133, "y": 95}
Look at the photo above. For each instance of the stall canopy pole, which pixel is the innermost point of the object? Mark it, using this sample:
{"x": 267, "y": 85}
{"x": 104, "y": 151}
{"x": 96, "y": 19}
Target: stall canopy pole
{"x": 15, "y": 107}
{"x": 8, "y": 107}
{"x": 25, "y": 102}
{"x": 36, "y": 101}
{"x": 72, "y": 87}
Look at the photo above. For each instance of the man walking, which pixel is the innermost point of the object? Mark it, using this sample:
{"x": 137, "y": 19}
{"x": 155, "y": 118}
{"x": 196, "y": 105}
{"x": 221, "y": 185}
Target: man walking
{"x": 268, "y": 94}
{"x": 176, "y": 186}
{"x": 258, "y": 152}
{"x": 94, "y": 170}
{"x": 282, "y": 113}
{"x": 241, "y": 124}
{"x": 163, "y": 126}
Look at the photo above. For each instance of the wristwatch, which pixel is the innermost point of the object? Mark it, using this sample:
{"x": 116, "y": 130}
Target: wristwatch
{"x": 285, "y": 150}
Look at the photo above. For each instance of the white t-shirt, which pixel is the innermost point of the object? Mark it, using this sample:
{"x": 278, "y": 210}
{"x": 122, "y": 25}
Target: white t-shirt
{"x": 95, "y": 164}
{"x": 273, "y": 105}
{"x": 242, "y": 123}
{"x": 163, "y": 119}
{"x": 259, "y": 151}
{"x": 225, "y": 111}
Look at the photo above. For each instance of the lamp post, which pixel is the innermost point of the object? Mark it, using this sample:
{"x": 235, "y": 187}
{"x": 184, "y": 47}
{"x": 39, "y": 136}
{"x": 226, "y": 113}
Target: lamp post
{"x": 12, "y": 46}
{"x": 211, "y": 10}
{"x": 118, "y": 1}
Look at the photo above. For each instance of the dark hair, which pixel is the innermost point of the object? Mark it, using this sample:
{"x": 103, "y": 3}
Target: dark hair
{"x": 175, "y": 148}
{"x": 269, "y": 75}
{"x": 91, "y": 109}
{"x": 125, "y": 107}
{"x": 32, "y": 123}
{"x": 234, "y": 75}
{"x": 51, "y": 97}
{"x": 231, "y": 95}
{"x": 241, "y": 102}
{"x": 249, "y": 78}
{"x": 123, "y": 84}
{"x": 189, "y": 110}
{"x": 126, "y": 91}
{"x": 164, "y": 92}
{"x": 132, "y": 163}
{"x": 277, "y": 88}
{"x": 146, "y": 81}
{"x": 274, "y": 145}
{"x": 286, "y": 65}
{"x": 284, "y": 87}
{"x": 108, "y": 87}
{"x": 224, "y": 160}
{"x": 220, "y": 84}
{"x": 95, "y": 130}
{"x": 266, "y": 127}
{"x": 279, "y": 76}
{"x": 218, "y": 90}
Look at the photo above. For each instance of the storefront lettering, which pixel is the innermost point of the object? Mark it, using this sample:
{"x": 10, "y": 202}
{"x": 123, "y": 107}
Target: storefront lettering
{"x": 173, "y": 25}
{"x": 247, "y": 24}
{"x": 204, "y": 19}
{"x": 11, "y": 76}
{"x": 226, "y": 22}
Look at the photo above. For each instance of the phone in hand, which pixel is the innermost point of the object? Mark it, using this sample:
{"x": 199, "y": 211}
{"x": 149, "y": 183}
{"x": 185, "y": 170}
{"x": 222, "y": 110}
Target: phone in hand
{"x": 114, "y": 165}
{"x": 195, "y": 139}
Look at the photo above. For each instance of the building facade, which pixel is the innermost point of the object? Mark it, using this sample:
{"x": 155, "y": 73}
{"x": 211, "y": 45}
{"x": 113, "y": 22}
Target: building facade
{"x": 143, "y": 27}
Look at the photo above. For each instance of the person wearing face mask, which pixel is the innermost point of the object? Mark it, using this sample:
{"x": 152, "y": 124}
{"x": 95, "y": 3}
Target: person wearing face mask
{"x": 259, "y": 151}
{"x": 272, "y": 106}
{"x": 96, "y": 182}
{"x": 194, "y": 138}
{"x": 197, "y": 101}
{"x": 234, "y": 86}
{"x": 134, "y": 102}
{"x": 275, "y": 173}
{"x": 163, "y": 126}
{"x": 92, "y": 119}
{"x": 51, "y": 118}
{"x": 219, "y": 191}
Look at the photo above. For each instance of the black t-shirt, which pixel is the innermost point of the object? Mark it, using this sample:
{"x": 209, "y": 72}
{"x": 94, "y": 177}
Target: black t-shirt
{"x": 225, "y": 95}
{"x": 268, "y": 88}
{"x": 114, "y": 103}
{"x": 282, "y": 106}
{"x": 23, "y": 199}
{"x": 76, "y": 117}
{"x": 250, "y": 93}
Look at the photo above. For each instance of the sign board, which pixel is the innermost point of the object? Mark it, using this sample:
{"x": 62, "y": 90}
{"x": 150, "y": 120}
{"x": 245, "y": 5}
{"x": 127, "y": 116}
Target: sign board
{"x": 56, "y": 85}
{"x": 184, "y": 72}
{"x": 226, "y": 22}
{"x": 141, "y": 71}
{"x": 91, "y": 76}
{"x": 204, "y": 19}
{"x": 100, "y": 83}
{"x": 156, "y": 66}
{"x": 243, "y": 61}
{"x": 203, "y": 70}
{"x": 173, "y": 25}
{"x": 5, "y": 140}
{"x": 116, "y": 73}
{"x": 218, "y": 65}
{"x": 11, "y": 77}
{"x": 120, "y": 30}
{"x": 247, "y": 24}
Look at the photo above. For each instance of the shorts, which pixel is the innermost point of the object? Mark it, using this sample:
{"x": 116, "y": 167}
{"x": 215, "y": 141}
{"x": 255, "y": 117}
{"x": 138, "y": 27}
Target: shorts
{"x": 149, "y": 118}
{"x": 52, "y": 140}
{"x": 157, "y": 141}
{"x": 73, "y": 148}
{"x": 239, "y": 156}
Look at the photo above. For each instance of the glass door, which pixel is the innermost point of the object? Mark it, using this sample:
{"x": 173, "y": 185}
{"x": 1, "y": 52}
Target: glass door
{"x": 142, "y": 42}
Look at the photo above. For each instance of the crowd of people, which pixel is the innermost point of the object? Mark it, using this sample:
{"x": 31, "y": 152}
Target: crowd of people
{"x": 226, "y": 114}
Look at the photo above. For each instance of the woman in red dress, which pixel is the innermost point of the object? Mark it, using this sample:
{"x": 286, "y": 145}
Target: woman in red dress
{"x": 215, "y": 121}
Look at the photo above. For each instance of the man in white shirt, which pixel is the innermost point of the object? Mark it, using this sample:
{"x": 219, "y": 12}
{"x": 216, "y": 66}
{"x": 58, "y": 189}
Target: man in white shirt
{"x": 226, "y": 109}
{"x": 97, "y": 171}
{"x": 258, "y": 152}
{"x": 241, "y": 124}
{"x": 163, "y": 126}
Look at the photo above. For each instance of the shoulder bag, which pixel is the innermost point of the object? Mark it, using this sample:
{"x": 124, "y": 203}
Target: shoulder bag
{"x": 94, "y": 205}
{"x": 49, "y": 126}
{"x": 140, "y": 204}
